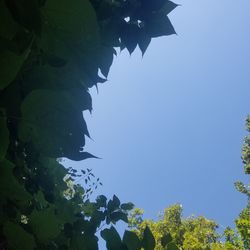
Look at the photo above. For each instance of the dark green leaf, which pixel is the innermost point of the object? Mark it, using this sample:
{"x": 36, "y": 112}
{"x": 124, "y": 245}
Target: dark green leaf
{"x": 101, "y": 201}
{"x": 130, "y": 36}
{"x": 17, "y": 237}
{"x": 26, "y": 13}
{"x": 45, "y": 224}
{"x": 113, "y": 204}
{"x": 10, "y": 64}
{"x": 116, "y": 201}
{"x": 168, "y": 7}
{"x": 172, "y": 246}
{"x": 116, "y": 216}
{"x": 105, "y": 59}
{"x": 84, "y": 242}
{"x": 144, "y": 41}
{"x": 112, "y": 238}
{"x": 148, "y": 241}
{"x": 159, "y": 25}
{"x": 131, "y": 240}
{"x": 166, "y": 239}
{"x": 127, "y": 206}
{"x": 8, "y": 27}
{"x": 57, "y": 118}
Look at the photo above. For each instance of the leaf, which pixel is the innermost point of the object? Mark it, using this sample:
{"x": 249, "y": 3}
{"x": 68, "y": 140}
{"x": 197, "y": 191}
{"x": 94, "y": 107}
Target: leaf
{"x": 144, "y": 41}
{"x": 150, "y": 6}
{"x": 131, "y": 240}
{"x": 112, "y": 238}
{"x": 116, "y": 201}
{"x": 105, "y": 59}
{"x": 159, "y": 25}
{"x": 116, "y": 216}
{"x": 45, "y": 224}
{"x": 166, "y": 239}
{"x": 127, "y": 206}
{"x": 75, "y": 25}
{"x": 172, "y": 246}
{"x": 4, "y": 135}
{"x": 168, "y": 7}
{"x": 101, "y": 201}
{"x": 113, "y": 204}
{"x": 8, "y": 27}
{"x": 17, "y": 236}
{"x": 129, "y": 36}
{"x": 10, "y": 187}
{"x": 84, "y": 242}
{"x": 10, "y": 64}
{"x": 148, "y": 241}
{"x": 26, "y": 13}
{"x": 55, "y": 126}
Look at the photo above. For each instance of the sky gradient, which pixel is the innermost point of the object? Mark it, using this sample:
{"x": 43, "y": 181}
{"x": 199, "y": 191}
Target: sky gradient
{"x": 169, "y": 127}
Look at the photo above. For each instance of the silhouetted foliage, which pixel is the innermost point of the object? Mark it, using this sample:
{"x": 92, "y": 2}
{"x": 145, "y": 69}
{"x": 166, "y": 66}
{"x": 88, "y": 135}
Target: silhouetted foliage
{"x": 50, "y": 55}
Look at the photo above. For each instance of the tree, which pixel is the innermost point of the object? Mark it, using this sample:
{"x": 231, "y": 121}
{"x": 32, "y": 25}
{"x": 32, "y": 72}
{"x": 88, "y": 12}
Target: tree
{"x": 191, "y": 233}
{"x": 50, "y": 54}
{"x": 243, "y": 221}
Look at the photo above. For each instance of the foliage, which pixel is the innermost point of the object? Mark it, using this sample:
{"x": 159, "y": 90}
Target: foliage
{"x": 50, "y": 54}
{"x": 243, "y": 221}
{"x": 191, "y": 233}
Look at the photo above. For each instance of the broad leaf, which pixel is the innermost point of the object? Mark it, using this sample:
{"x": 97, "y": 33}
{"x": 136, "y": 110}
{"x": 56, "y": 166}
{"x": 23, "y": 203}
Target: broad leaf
{"x": 17, "y": 237}
{"x": 129, "y": 36}
{"x": 10, "y": 64}
{"x": 148, "y": 241}
{"x": 168, "y": 7}
{"x": 127, "y": 206}
{"x": 172, "y": 246}
{"x": 159, "y": 25}
{"x": 45, "y": 224}
{"x": 144, "y": 41}
{"x": 8, "y": 27}
{"x": 10, "y": 188}
{"x": 131, "y": 240}
{"x": 116, "y": 216}
{"x": 55, "y": 127}
{"x": 166, "y": 239}
{"x": 72, "y": 26}
{"x": 113, "y": 204}
{"x": 112, "y": 238}
{"x": 84, "y": 242}
{"x": 26, "y": 13}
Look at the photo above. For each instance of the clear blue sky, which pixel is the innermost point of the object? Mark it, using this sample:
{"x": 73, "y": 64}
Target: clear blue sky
{"x": 169, "y": 127}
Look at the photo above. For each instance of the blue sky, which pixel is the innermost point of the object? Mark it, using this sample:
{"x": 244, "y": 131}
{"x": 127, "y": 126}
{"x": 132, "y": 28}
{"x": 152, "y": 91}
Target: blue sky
{"x": 169, "y": 127}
